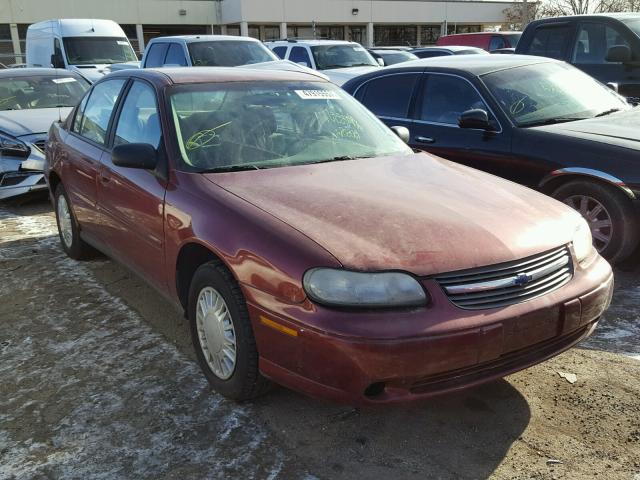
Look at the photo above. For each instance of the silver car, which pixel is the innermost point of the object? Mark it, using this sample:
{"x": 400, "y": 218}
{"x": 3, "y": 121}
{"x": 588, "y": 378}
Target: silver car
{"x": 31, "y": 99}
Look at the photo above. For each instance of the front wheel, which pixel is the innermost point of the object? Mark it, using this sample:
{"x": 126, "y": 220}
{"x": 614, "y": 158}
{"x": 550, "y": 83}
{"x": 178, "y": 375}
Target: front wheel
{"x": 222, "y": 334}
{"x": 610, "y": 215}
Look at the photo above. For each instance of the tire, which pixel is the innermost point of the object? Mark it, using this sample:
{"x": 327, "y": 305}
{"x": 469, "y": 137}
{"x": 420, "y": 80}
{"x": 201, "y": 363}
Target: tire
{"x": 243, "y": 381}
{"x": 68, "y": 230}
{"x": 623, "y": 235}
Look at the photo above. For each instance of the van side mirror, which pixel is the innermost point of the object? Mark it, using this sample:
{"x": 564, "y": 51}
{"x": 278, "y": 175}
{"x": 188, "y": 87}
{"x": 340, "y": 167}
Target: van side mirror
{"x": 618, "y": 54}
{"x": 57, "y": 61}
{"x": 135, "y": 155}
{"x": 402, "y": 133}
{"x": 380, "y": 61}
{"x": 475, "y": 118}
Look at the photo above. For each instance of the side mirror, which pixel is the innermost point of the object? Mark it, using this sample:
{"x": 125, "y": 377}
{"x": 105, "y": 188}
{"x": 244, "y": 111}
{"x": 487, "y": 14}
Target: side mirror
{"x": 57, "y": 61}
{"x": 304, "y": 64}
{"x": 618, "y": 54}
{"x": 402, "y": 133}
{"x": 380, "y": 61}
{"x": 135, "y": 155}
{"x": 475, "y": 118}
{"x": 613, "y": 86}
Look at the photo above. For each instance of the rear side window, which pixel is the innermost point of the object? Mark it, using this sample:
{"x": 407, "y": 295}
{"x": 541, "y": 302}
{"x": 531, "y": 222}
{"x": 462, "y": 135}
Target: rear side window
{"x": 175, "y": 56}
{"x": 281, "y": 52}
{"x": 551, "y": 42}
{"x": 496, "y": 43}
{"x": 139, "y": 122}
{"x": 390, "y": 96}
{"x": 98, "y": 110}
{"x": 300, "y": 55}
{"x": 156, "y": 54}
{"x": 594, "y": 41}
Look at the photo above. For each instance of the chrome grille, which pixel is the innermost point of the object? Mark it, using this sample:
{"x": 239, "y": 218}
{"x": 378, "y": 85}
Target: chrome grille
{"x": 40, "y": 144}
{"x": 508, "y": 283}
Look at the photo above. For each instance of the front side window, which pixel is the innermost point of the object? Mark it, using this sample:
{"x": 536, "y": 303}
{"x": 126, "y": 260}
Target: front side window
{"x": 175, "y": 56}
{"x": 551, "y": 42}
{"x": 281, "y": 52}
{"x": 139, "y": 121}
{"x": 390, "y": 96}
{"x": 155, "y": 55}
{"x": 229, "y": 53}
{"x": 594, "y": 41}
{"x": 249, "y": 125}
{"x": 41, "y": 91}
{"x": 550, "y": 93}
{"x": 99, "y": 109}
{"x": 341, "y": 56}
{"x": 98, "y": 50}
{"x": 446, "y": 97}
{"x": 300, "y": 55}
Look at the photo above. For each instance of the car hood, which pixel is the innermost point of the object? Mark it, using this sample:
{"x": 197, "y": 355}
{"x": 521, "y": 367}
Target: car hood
{"x": 417, "y": 213}
{"x": 92, "y": 73}
{"x": 340, "y": 76}
{"x": 27, "y": 122}
{"x": 622, "y": 129}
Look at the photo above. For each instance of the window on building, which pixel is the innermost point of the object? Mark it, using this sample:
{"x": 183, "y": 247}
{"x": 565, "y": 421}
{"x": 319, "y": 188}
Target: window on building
{"x": 390, "y": 96}
{"x": 6, "y": 45}
{"x": 452, "y": 29}
{"x": 429, "y": 34}
{"x": 254, "y": 31}
{"x": 333, "y": 32}
{"x": 153, "y": 31}
{"x": 271, "y": 32}
{"x": 403, "y": 35}
{"x": 233, "y": 30}
{"x": 22, "y": 35}
{"x": 299, "y": 31}
{"x": 358, "y": 34}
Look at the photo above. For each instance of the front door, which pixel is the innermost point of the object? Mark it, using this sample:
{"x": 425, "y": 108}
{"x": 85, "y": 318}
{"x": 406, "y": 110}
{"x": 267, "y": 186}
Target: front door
{"x": 132, "y": 200}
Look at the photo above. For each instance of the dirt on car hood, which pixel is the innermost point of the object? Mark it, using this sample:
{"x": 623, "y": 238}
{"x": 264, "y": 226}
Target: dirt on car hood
{"x": 417, "y": 213}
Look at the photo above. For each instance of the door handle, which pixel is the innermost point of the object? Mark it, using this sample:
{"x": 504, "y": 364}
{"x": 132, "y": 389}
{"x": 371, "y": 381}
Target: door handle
{"x": 425, "y": 140}
{"x": 104, "y": 178}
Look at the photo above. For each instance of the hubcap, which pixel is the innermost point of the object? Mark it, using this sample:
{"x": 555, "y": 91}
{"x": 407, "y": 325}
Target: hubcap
{"x": 216, "y": 334}
{"x": 596, "y": 216}
{"x": 64, "y": 221}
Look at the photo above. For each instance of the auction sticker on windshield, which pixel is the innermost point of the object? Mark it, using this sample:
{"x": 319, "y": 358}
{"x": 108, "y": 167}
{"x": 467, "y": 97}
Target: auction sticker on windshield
{"x": 317, "y": 95}
{"x": 63, "y": 80}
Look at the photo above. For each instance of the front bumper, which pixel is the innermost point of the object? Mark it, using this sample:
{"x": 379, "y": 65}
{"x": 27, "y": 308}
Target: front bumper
{"x": 19, "y": 176}
{"x": 452, "y": 350}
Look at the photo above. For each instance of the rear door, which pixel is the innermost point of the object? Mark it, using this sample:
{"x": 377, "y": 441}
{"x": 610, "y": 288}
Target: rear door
{"x": 84, "y": 147}
{"x": 441, "y": 100}
{"x": 132, "y": 200}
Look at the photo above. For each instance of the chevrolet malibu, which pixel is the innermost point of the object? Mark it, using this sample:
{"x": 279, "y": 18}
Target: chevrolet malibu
{"x": 309, "y": 246}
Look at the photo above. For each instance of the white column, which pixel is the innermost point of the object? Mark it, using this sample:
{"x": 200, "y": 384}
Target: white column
{"x": 346, "y": 32}
{"x": 370, "y": 34}
{"x": 244, "y": 29}
{"x": 140, "y": 35}
{"x": 15, "y": 40}
{"x": 419, "y": 35}
{"x": 283, "y": 30}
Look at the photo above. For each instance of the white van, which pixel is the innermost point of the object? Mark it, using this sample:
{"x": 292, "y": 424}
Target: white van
{"x": 86, "y": 46}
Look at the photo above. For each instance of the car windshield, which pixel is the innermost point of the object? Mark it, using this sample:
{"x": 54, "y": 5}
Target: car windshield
{"x": 253, "y": 125}
{"x": 98, "y": 50}
{"x": 550, "y": 93}
{"x": 341, "y": 56}
{"x": 40, "y": 91}
{"x": 228, "y": 53}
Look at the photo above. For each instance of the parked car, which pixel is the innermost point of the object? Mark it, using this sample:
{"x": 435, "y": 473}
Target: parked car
{"x": 386, "y": 57}
{"x": 309, "y": 245}
{"x": 205, "y": 51}
{"x": 605, "y": 46}
{"x": 31, "y": 99}
{"x": 88, "y": 47}
{"x": 536, "y": 121}
{"x": 337, "y": 59}
{"x": 488, "y": 41}
{"x": 429, "y": 52}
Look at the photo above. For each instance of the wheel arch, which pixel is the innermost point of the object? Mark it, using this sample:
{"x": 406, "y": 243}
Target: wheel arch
{"x": 557, "y": 178}
{"x": 53, "y": 180}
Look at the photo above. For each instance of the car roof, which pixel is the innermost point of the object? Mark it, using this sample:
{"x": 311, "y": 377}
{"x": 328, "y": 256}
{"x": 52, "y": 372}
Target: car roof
{"x": 202, "y": 38}
{"x": 314, "y": 42}
{"x": 183, "y": 75}
{"x": 617, "y": 16}
{"x": 37, "y": 71}
{"x": 474, "y": 64}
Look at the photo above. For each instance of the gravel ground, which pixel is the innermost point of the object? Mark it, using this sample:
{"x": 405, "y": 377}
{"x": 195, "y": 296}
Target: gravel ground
{"x": 98, "y": 381}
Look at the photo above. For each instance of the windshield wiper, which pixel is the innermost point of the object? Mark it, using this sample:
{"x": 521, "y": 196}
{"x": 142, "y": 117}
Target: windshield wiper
{"x": 341, "y": 158}
{"x": 607, "y": 112}
{"x": 551, "y": 121}
{"x": 231, "y": 168}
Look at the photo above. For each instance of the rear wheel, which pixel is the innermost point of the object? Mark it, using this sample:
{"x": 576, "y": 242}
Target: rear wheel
{"x": 68, "y": 229}
{"x": 610, "y": 215}
{"x": 222, "y": 334}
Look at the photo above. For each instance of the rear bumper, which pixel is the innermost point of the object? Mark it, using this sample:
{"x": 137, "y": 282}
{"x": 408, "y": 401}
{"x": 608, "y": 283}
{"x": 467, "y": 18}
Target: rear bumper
{"x": 361, "y": 371}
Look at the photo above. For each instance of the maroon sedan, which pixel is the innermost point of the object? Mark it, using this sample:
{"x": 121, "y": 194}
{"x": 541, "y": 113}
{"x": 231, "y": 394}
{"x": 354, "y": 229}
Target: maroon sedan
{"x": 307, "y": 244}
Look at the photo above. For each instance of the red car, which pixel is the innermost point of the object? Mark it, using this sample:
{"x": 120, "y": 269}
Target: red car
{"x": 307, "y": 244}
{"x": 488, "y": 41}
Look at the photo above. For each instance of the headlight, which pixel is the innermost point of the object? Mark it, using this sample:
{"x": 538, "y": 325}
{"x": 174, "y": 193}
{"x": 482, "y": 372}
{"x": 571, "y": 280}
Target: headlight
{"x": 356, "y": 289}
{"x": 12, "y": 146}
{"x": 582, "y": 241}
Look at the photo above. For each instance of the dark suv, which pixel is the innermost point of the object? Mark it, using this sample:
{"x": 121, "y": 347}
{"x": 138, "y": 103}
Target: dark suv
{"x": 606, "y": 47}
